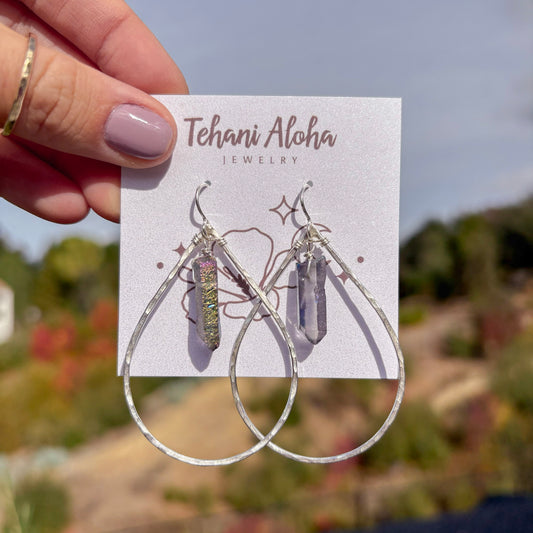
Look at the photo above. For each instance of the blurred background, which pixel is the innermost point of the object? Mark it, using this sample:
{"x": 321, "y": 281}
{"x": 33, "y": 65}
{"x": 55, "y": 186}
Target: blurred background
{"x": 69, "y": 458}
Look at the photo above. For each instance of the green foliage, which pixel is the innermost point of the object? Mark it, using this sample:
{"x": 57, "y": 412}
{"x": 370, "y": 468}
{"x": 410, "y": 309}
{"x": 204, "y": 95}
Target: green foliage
{"x": 273, "y": 403}
{"x": 461, "y": 345}
{"x": 411, "y": 314}
{"x": 332, "y": 514}
{"x": 33, "y": 411}
{"x": 109, "y": 272}
{"x": 514, "y": 230}
{"x": 99, "y": 405}
{"x": 203, "y": 498}
{"x": 512, "y": 381}
{"x": 415, "y": 502}
{"x": 461, "y": 496}
{"x": 471, "y": 256}
{"x": 67, "y": 391}
{"x": 350, "y": 391}
{"x": 14, "y": 353}
{"x": 74, "y": 259}
{"x": 513, "y": 450}
{"x": 175, "y": 494}
{"x": 266, "y": 485}
{"x": 415, "y": 437}
{"x": 19, "y": 275}
{"x": 75, "y": 274}
{"x": 423, "y": 500}
{"x": 28, "y": 409}
{"x": 477, "y": 249}
{"x": 427, "y": 264}
{"x": 41, "y": 506}
{"x": 513, "y": 377}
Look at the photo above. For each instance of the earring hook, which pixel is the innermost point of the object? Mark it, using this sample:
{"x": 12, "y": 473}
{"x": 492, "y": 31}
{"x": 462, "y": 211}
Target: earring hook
{"x": 306, "y": 186}
{"x": 199, "y": 190}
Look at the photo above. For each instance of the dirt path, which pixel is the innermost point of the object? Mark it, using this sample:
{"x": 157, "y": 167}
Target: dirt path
{"x": 119, "y": 480}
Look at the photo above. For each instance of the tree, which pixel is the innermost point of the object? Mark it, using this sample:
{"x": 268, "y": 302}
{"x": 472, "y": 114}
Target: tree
{"x": 19, "y": 275}
{"x": 427, "y": 264}
{"x": 74, "y": 274}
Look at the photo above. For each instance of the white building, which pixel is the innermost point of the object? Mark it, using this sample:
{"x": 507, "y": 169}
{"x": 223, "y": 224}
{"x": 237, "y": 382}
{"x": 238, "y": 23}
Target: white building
{"x": 7, "y": 312}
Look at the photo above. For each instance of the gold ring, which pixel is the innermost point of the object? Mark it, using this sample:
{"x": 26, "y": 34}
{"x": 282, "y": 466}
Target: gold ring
{"x": 23, "y": 86}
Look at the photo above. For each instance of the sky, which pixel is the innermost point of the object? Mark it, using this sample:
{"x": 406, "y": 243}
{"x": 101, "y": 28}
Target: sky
{"x": 463, "y": 69}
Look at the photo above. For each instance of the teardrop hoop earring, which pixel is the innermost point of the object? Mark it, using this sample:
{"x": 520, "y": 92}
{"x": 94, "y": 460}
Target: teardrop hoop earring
{"x": 204, "y": 269}
{"x": 312, "y": 237}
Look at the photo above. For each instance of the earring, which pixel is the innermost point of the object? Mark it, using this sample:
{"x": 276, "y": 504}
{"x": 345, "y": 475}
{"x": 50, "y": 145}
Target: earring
{"x": 208, "y": 329}
{"x": 312, "y": 322}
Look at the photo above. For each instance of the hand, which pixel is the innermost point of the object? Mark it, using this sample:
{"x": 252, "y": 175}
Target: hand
{"x": 87, "y": 110}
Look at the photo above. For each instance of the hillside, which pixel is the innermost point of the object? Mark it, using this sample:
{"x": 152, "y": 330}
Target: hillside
{"x": 464, "y": 430}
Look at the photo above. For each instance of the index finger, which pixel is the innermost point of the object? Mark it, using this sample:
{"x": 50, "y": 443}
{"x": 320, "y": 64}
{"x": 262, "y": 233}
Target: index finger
{"x": 110, "y": 34}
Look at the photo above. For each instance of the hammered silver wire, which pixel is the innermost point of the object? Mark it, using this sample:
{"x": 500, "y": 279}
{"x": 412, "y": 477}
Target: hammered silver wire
{"x": 312, "y": 233}
{"x": 147, "y": 314}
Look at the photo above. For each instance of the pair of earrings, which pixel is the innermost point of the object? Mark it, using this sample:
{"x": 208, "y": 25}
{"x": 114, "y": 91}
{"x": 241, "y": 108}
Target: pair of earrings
{"x": 311, "y": 304}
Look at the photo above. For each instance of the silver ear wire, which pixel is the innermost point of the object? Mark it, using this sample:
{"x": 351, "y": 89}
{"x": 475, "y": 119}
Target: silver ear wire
{"x": 306, "y": 186}
{"x": 199, "y": 190}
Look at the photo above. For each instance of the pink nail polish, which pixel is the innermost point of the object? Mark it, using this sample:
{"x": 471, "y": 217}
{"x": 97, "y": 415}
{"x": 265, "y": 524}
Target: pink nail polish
{"x": 137, "y": 131}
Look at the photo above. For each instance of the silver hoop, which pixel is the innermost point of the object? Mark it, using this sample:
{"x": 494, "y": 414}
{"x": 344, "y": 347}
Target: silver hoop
{"x": 198, "y": 239}
{"x": 313, "y": 233}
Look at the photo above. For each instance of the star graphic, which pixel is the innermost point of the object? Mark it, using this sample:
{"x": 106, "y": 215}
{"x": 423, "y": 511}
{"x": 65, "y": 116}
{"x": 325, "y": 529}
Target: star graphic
{"x": 180, "y": 249}
{"x": 283, "y": 210}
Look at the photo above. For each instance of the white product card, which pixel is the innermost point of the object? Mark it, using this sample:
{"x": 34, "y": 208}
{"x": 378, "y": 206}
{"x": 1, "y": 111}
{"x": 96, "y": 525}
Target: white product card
{"x": 258, "y": 152}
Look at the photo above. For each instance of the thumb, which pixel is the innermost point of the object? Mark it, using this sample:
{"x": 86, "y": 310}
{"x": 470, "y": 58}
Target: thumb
{"x": 74, "y": 108}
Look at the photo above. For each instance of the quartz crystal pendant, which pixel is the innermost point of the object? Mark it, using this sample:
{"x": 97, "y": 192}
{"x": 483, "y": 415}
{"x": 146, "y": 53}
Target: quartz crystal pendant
{"x": 311, "y": 297}
{"x": 207, "y": 322}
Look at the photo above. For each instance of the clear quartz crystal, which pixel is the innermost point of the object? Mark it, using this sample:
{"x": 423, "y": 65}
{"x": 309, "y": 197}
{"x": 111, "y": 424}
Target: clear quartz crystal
{"x": 312, "y": 319}
{"x": 206, "y": 291}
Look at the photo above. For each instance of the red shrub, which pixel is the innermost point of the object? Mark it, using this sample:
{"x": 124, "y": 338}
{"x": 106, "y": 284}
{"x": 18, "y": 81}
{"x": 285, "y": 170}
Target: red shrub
{"x": 41, "y": 347}
{"x": 69, "y": 376}
{"x": 104, "y": 317}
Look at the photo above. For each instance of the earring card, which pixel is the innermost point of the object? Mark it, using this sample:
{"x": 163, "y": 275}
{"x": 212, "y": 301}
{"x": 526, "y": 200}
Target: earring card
{"x": 257, "y": 152}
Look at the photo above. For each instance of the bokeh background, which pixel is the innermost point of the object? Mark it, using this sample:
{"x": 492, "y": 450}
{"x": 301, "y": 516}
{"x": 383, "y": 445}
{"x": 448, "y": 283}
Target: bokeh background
{"x": 71, "y": 460}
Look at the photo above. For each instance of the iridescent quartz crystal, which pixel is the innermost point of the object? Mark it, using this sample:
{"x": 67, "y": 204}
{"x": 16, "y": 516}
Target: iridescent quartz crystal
{"x": 312, "y": 320}
{"x": 207, "y": 322}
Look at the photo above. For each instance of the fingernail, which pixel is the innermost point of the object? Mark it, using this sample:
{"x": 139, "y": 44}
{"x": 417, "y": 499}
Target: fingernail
{"x": 137, "y": 131}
